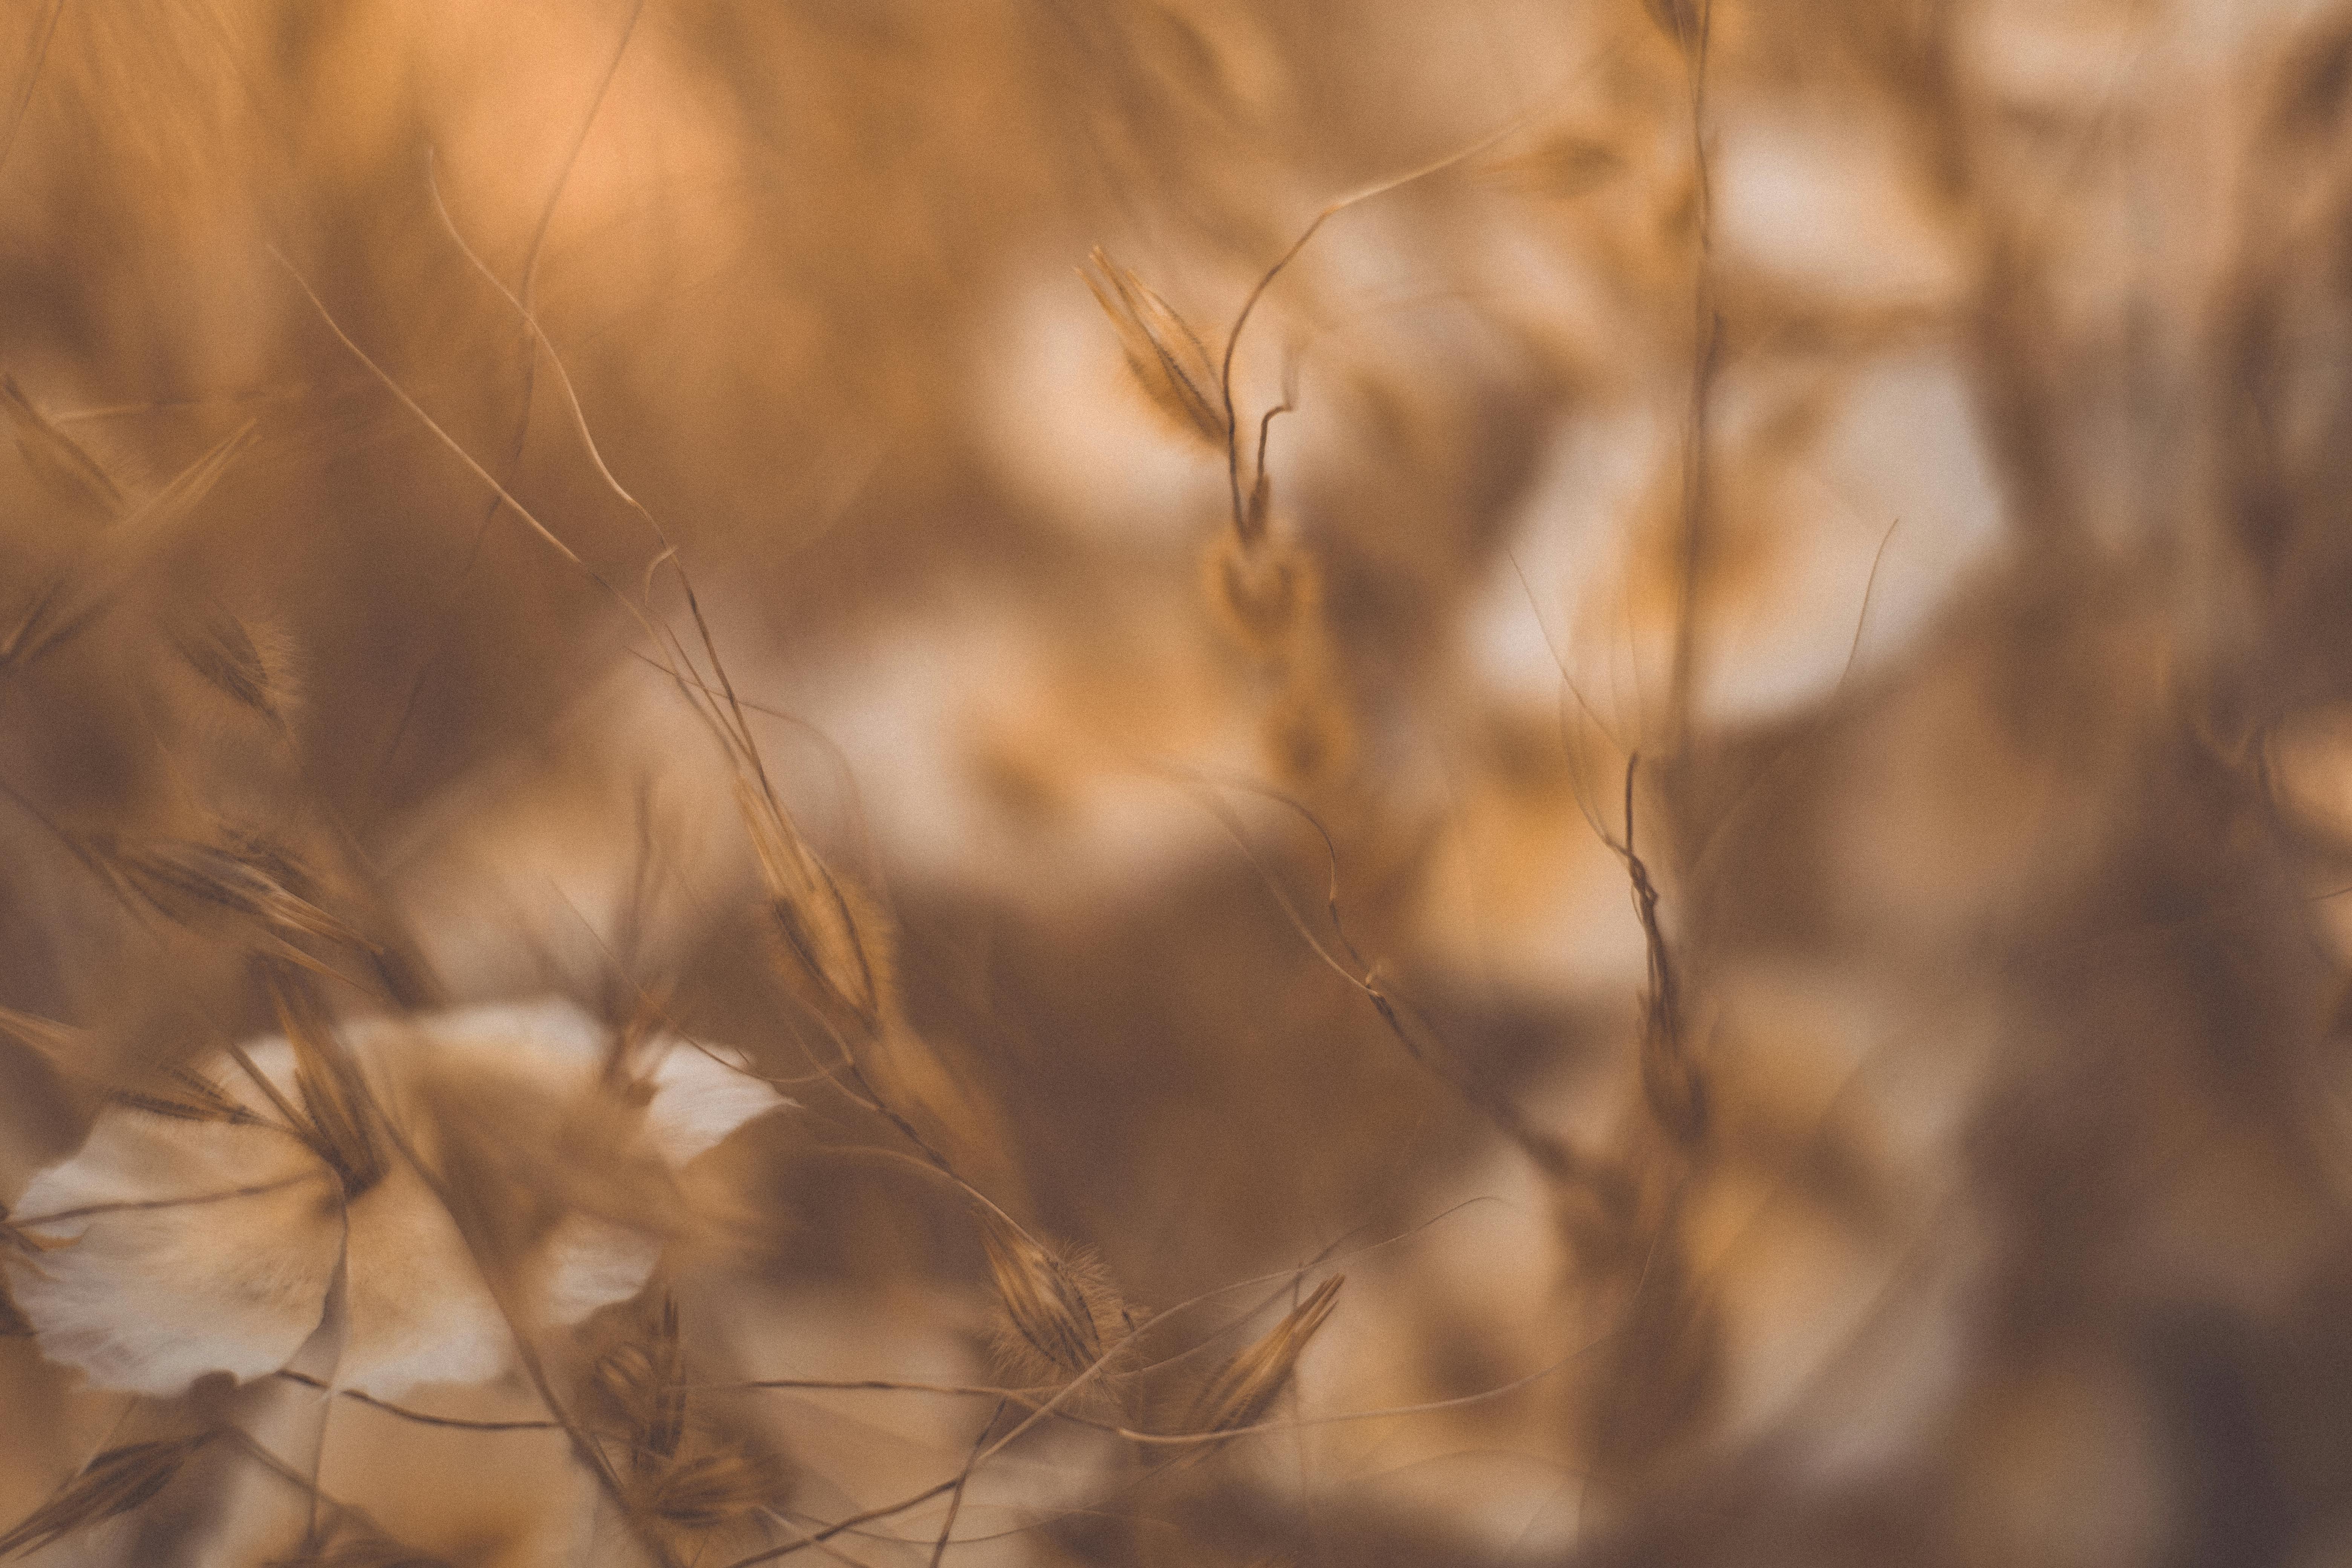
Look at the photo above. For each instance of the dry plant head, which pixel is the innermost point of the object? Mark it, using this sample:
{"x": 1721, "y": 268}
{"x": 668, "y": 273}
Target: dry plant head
{"x": 68, "y": 473}
{"x": 1170, "y": 363}
{"x": 833, "y": 942}
{"x": 248, "y": 662}
{"x": 641, "y": 1385}
{"x": 1754, "y": 842}
{"x": 52, "y": 1042}
{"x": 1247, "y": 1386}
{"x": 184, "y": 1093}
{"x": 355, "y": 1546}
{"x": 684, "y": 1469}
{"x": 242, "y": 879}
{"x": 707, "y": 1487}
{"x": 101, "y": 568}
{"x": 1060, "y": 1306}
{"x": 337, "y": 1117}
{"x": 112, "y": 1484}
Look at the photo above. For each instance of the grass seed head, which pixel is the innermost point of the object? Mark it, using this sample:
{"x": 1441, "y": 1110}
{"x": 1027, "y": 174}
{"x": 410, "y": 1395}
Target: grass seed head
{"x": 641, "y": 1386}
{"x": 1239, "y": 1395}
{"x": 59, "y": 462}
{"x": 831, "y": 938}
{"x": 113, "y": 1483}
{"x": 247, "y": 662}
{"x": 1045, "y": 1296}
{"x": 1169, "y": 362}
{"x": 245, "y": 876}
{"x": 46, "y": 1038}
{"x": 335, "y": 1099}
{"x": 712, "y": 1486}
{"x": 184, "y": 1094}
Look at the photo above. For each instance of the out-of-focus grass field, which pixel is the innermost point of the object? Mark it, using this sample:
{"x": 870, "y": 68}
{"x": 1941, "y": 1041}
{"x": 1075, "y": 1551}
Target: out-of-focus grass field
{"x": 1664, "y": 680}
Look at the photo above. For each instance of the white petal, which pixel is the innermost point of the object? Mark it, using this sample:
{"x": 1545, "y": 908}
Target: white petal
{"x": 700, "y": 1095}
{"x": 419, "y": 1309}
{"x": 550, "y": 1031}
{"x": 591, "y": 1264}
{"x": 149, "y": 1299}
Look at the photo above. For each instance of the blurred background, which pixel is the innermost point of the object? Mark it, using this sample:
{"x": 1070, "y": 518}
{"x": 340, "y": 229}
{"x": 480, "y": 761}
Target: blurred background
{"x": 1668, "y": 678}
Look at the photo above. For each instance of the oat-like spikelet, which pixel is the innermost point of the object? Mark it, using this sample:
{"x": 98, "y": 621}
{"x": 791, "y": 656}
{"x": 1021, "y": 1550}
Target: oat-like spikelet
{"x": 1239, "y": 1395}
{"x": 337, "y": 1116}
{"x": 246, "y": 661}
{"x": 831, "y": 935}
{"x": 246, "y": 878}
{"x": 1169, "y": 362}
{"x": 182, "y": 1093}
{"x": 176, "y": 1090}
{"x": 710, "y": 1485}
{"x": 113, "y": 1483}
{"x": 684, "y": 1471}
{"x": 1060, "y": 1306}
{"x": 641, "y": 1386}
{"x": 77, "y": 595}
{"x": 46, "y": 1038}
{"x": 59, "y": 461}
